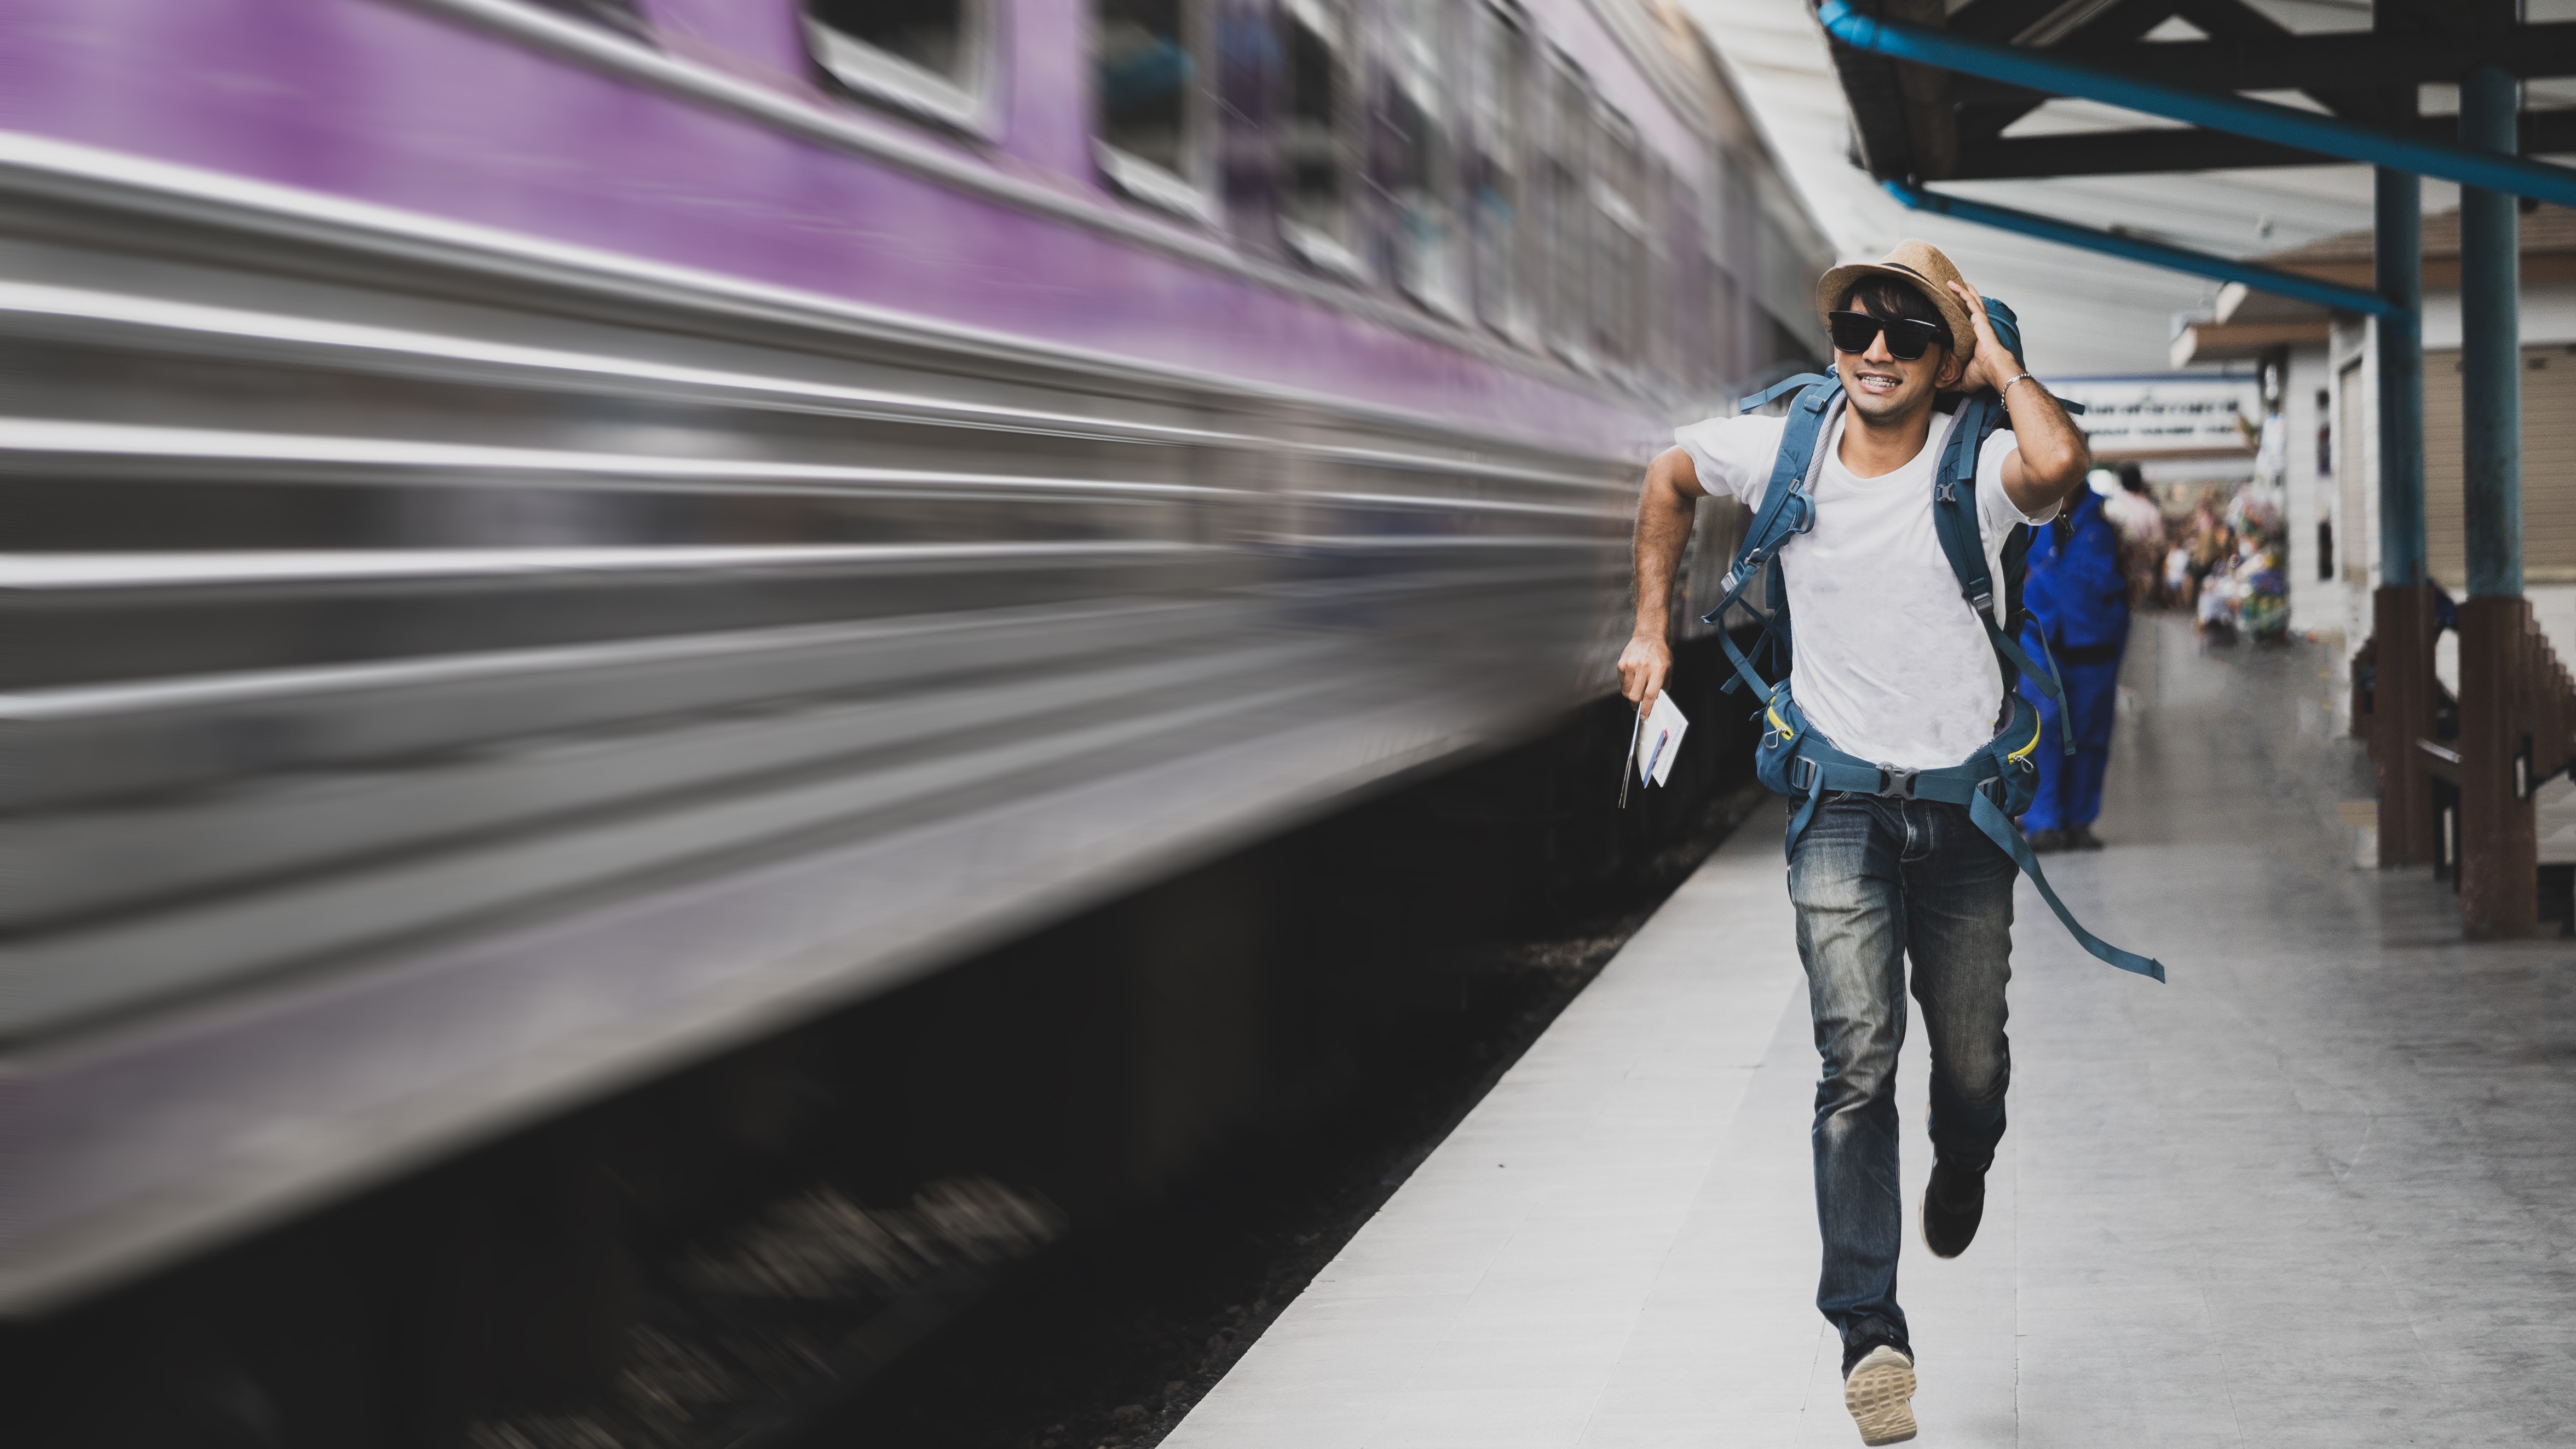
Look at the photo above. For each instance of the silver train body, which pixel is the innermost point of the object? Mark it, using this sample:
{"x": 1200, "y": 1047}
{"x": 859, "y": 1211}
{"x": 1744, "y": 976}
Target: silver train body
{"x": 462, "y": 674}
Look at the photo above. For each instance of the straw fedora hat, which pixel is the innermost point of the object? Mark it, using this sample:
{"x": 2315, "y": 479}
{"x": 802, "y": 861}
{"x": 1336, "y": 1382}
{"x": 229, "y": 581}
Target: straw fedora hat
{"x": 1920, "y": 265}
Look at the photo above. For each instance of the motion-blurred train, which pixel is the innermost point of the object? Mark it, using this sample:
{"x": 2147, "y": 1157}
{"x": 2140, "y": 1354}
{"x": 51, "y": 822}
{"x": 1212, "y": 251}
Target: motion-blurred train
{"x": 550, "y": 539}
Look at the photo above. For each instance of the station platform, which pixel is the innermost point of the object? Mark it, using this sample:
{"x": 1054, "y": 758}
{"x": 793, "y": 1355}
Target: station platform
{"x": 2319, "y": 1189}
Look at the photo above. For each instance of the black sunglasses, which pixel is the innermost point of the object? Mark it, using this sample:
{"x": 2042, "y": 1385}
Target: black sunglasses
{"x": 1907, "y": 339}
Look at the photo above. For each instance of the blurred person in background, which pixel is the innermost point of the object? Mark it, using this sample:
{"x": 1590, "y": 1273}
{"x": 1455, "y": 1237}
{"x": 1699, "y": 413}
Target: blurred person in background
{"x": 2079, "y": 605}
{"x": 2133, "y": 511}
{"x": 2216, "y": 611}
{"x": 2213, "y": 549}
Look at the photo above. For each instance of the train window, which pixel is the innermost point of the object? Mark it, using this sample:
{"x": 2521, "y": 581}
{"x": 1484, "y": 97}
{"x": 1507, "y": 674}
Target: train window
{"x": 1565, "y": 162}
{"x": 1732, "y": 251}
{"x": 1498, "y": 107}
{"x": 1619, "y": 254}
{"x": 1422, "y": 159}
{"x": 1731, "y": 322}
{"x": 931, "y": 57}
{"x": 1662, "y": 336}
{"x": 1145, "y": 71}
{"x": 1316, "y": 129}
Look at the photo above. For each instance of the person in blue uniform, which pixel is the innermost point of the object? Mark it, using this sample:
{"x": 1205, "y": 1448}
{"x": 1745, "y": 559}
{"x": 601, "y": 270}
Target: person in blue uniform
{"x": 2080, "y": 602}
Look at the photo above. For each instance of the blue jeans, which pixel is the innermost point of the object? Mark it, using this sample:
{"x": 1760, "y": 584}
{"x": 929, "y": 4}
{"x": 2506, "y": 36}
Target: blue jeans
{"x": 1877, "y": 880}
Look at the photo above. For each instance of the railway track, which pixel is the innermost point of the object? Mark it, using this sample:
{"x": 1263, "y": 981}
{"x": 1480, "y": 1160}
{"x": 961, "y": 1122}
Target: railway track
{"x": 1044, "y": 1195}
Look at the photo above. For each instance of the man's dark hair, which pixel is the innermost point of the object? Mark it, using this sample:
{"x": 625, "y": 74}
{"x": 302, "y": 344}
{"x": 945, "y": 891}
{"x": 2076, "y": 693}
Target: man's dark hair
{"x": 1884, "y": 296}
{"x": 2133, "y": 478}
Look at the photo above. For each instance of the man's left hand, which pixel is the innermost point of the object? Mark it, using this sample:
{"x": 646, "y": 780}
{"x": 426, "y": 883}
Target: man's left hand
{"x": 1992, "y": 366}
{"x": 2049, "y": 456}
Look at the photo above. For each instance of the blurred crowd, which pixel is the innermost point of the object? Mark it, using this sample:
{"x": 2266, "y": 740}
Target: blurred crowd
{"x": 2220, "y": 563}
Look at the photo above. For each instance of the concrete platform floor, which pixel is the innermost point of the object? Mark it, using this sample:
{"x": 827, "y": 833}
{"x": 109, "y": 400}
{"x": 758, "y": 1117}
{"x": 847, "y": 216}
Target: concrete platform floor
{"x": 2320, "y": 1189}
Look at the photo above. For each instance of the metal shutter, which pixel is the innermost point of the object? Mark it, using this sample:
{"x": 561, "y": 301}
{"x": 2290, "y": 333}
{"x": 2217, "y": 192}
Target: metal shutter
{"x": 2548, "y": 467}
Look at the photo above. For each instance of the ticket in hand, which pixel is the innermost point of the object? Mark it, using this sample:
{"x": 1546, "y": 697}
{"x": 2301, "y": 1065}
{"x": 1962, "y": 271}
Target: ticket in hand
{"x": 1659, "y": 740}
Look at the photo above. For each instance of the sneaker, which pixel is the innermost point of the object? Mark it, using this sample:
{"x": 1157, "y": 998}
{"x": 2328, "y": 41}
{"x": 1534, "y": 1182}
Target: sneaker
{"x": 1866, "y": 1333}
{"x": 1877, "y": 1391}
{"x": 2081, "y": 837}
{"x": 1954, "y": 1202}
{"x": 2044, "y": 841}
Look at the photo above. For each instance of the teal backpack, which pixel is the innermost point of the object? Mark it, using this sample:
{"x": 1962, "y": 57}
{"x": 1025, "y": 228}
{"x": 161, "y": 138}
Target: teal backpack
{"x": 1792, "y": 758}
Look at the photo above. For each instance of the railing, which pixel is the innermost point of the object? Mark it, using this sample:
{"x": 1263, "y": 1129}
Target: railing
{"x": 2461, "y": 798}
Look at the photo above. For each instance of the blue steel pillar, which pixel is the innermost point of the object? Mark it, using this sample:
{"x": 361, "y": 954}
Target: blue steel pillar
{"x": 2499, "y": 857}
{"x": 2399, "y": 263}
{"x": 2491, "y": 348}
{"x": 2402, "y": 608}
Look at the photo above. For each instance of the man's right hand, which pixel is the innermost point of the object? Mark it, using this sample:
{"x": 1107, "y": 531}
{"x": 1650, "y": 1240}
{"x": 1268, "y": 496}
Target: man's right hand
{"x": 1643, "y": 667}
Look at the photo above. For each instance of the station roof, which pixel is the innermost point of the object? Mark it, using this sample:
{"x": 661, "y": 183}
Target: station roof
{"x": 1912, "y": 121}
{"x": 2087, "y": 313}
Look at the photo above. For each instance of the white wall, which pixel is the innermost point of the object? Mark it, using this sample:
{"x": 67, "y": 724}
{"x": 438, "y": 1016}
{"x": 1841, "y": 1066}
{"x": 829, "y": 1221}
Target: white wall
{"x": 2313, "y": 604}
{"x": 2554, "y": 605}
{"x": 2332, "y": 606}
{"x": 2548, "y": 315}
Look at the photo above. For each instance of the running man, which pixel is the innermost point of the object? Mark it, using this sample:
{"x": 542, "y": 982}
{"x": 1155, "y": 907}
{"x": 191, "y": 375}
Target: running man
{"x": 1891, "y": 665}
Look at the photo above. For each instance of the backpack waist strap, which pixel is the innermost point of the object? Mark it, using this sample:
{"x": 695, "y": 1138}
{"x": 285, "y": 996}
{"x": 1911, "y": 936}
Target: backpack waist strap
{"x": 1820, "y": 767}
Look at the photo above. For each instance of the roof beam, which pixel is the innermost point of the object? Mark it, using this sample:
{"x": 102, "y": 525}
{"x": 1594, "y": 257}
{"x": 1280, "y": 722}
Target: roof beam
{"x": 2234, "y": 20}
{"x": 2231, "y": 20}
{"x": 2124, "y": 20}
{"x": 2126, "y": 153}
{"x": 2340, "y": 60}
{"x": 2153, "y": 253}
{"x": 2002, "y": 20}
{"x": 2119, "y": 153}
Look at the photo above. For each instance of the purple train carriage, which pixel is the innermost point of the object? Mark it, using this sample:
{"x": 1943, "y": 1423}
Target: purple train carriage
{"x": 549, "y": 539}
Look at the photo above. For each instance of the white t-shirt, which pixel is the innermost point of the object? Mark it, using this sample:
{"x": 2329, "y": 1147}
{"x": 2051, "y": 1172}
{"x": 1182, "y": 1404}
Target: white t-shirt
{"x": 1890, "y": 664}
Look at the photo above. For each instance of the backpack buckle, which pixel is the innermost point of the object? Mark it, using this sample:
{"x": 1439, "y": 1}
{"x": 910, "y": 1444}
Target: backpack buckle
{"x": 1803, "y": 772}
{"x": 1895, "y": 782}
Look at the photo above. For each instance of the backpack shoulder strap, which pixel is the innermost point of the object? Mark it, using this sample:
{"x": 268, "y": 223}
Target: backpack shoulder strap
{"x": 1954, "y": 522}
{"x": 1788, "y": 509}
{"x": 1954, "y": 503}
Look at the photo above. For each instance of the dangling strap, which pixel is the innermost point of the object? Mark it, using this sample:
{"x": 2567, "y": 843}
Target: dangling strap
{"x": 2000, "y": 829}
{"x": 1807, "y": 809}
{"x": 2050, "y": 684}
{"x": 1775, "y": 623}
{"x": 1745, "y": 673}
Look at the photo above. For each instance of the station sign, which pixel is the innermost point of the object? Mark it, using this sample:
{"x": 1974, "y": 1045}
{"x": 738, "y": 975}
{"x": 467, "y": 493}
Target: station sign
{"x": 2176, "y": 415}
